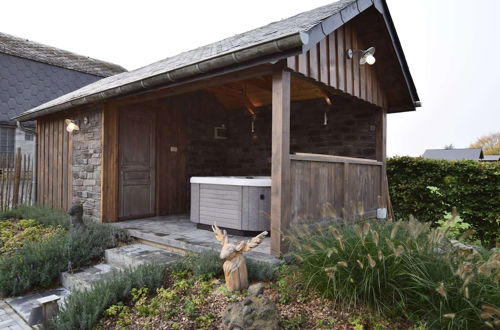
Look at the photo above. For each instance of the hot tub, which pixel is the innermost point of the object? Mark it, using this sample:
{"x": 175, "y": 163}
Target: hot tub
{"x": 239, "y": 203}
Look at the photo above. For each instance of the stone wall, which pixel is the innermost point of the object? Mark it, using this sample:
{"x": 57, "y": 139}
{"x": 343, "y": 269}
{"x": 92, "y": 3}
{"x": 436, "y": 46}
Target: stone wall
{"x": 350, "y": 132}
{"x": 87, "y": 162}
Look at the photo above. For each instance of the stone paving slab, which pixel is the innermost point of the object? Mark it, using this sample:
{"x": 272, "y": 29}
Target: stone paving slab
{"x": 179, "y": 233}
{"x": 138, "y": 254}
{"x": 9, "y": 319}
{"x": 84, "y": 278}
{"x": 24, "y": 304}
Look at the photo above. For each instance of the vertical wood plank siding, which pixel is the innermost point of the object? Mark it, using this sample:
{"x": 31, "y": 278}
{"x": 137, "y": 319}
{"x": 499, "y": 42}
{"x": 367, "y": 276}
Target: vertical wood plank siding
{"x": 326, "y": 62}
{"x": 110, "y": 164}
{"x": 54, "y": 158}
{"x": 322, "y": 190}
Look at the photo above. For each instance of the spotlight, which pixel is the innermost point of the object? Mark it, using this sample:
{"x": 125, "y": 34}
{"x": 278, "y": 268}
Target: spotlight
{"x": 71, "y": 125}
{"x": 366, "y": 55}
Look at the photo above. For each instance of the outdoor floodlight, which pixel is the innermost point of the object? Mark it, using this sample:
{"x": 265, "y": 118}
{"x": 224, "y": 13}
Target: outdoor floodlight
{"x": 71, "y": 125}
{"x": 366, "y": 55}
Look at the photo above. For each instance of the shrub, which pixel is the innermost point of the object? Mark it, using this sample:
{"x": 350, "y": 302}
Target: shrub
{"x": 44, "y": 215}
{"x": 401, "y": 268}
{"x": 472, "y": 187}
{"x": 82, "y": 309}
{"x": 38, "y": 264}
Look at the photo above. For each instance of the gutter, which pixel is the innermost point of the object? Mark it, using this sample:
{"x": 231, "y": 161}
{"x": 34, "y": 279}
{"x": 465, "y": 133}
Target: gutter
{"x": 263, "y": 50}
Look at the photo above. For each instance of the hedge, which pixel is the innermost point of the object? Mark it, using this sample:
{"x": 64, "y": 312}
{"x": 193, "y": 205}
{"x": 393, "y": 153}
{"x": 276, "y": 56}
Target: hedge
{"x": 472, "y": 187}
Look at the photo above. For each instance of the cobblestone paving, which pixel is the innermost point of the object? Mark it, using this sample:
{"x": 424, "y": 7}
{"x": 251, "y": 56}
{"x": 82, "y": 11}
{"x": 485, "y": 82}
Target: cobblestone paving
{"x": 9, "y": 320}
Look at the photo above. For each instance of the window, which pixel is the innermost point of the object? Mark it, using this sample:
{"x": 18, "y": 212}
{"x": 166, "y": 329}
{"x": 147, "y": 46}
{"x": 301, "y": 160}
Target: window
{"x": 7, "y": 140}
{"x": 28, "y": 136}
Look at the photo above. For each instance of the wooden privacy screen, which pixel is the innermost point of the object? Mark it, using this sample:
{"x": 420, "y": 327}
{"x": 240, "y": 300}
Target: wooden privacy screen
{"x": 349, "y": 186}
{"x": 54, "y": 159}
{"x": 327, "y": 62}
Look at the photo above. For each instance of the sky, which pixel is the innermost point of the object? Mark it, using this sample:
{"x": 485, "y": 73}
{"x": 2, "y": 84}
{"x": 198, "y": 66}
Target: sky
{"x": 449, "y": 45}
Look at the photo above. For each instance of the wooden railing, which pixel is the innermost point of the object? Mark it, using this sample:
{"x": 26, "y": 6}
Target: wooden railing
{"x": 326, "y": 187}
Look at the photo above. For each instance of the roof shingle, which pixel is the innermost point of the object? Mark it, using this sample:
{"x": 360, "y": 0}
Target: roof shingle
{"x": 268, "y": 33}
{"x": 54, "y": 56}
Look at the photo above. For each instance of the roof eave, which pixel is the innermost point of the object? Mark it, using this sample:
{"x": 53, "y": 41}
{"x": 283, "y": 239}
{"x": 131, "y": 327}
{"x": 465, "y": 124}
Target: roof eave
{"x": 381, "y": 6}
{"x": 265, "y": 50}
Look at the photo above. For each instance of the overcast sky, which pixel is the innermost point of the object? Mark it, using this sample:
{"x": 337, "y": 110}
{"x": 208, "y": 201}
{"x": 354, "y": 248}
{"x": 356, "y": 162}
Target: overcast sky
{"x": 451, "y": 46}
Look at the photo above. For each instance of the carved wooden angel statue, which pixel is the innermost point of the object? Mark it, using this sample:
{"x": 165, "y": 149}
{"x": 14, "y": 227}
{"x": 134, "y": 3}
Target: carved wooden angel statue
{"x": 235, "y": 267}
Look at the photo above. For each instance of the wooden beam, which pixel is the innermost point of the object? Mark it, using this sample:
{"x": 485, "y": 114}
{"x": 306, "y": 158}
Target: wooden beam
{"x": 237, "y": 94}
{"x": 280, "y": 164}
{"x": 381, "y": 140}
{"x": 192, "y": 85}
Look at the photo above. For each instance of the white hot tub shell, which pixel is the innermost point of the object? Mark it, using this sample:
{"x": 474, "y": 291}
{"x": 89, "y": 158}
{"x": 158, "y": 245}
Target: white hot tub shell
{"x": 235, "y": 202}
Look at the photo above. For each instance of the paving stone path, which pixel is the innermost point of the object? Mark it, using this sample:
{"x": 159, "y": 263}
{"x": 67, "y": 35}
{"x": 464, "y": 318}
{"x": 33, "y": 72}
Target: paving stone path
{"x": 9, "y": 319}
{"x": 15, "y": 311}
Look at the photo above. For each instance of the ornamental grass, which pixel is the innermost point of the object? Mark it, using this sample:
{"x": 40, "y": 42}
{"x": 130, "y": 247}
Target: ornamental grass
{"x": 400, "y": 268}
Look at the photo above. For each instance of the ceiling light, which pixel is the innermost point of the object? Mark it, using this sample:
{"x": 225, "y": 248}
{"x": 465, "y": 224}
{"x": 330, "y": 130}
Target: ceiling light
{"x": 71, "y": 126}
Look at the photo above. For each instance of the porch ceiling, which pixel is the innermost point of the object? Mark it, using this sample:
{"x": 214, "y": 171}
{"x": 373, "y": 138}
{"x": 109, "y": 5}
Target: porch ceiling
{"x": 257, "y": 92}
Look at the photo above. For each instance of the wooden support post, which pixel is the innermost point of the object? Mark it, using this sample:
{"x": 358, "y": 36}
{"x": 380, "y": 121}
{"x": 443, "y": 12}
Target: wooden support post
{"x": 381, "y": 141}
{"x": 280, "y": 167}
{"x": 109, "y": 177}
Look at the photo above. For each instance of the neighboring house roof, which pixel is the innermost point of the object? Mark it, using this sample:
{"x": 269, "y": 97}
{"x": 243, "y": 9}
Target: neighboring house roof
{"x": 274, "y": 41}
{"x": 491, "y": 158}
{"x": 34, "y": 51}
{"x": 32, "y": 74}
{"x": 454, "y": 154}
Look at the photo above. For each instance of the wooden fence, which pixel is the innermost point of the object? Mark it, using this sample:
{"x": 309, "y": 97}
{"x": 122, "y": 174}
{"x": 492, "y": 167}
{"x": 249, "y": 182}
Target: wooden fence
{"x": 325, "y": 187}
{"x": 16, "y": 179}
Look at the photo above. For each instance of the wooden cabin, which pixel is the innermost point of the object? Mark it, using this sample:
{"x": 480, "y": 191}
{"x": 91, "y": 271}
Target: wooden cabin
{"x": 290, "y": 100}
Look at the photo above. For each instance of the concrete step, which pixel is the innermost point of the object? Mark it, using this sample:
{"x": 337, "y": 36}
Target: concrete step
{"x": 131, "y": 256}
{"x": 24, "y": 304}
{"x": 182, "y": 245}
{"x": 85, "y": 278}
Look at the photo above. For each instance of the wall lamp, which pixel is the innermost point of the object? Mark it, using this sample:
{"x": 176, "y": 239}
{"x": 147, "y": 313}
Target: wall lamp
{"x": 71, "y": 125}
{"x": 366, "y": 55}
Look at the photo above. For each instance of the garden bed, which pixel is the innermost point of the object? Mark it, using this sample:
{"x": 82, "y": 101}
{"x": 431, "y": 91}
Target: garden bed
{"x": 15, "y": 233}
{"x": 198, "y": 302}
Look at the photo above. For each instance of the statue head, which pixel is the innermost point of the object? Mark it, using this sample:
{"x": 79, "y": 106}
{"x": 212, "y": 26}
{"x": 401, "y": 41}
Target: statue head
{"x": 231, "y": 250}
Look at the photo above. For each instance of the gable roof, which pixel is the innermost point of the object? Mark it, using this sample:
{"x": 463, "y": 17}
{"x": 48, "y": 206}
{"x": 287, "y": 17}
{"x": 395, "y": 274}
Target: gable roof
{"x": 491, "y": 158}
{"x": 274, "y": 41}
{"x": 454, "y": 154}
{"x": 31, "y": 50}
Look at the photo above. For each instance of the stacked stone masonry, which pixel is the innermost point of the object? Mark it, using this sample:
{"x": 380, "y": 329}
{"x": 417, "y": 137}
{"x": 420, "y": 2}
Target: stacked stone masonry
{"x": 87, "y": 161}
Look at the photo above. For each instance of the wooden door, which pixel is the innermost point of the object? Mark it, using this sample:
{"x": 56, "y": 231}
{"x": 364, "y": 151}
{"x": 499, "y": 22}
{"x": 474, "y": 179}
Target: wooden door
{"x": 137, "y": 163}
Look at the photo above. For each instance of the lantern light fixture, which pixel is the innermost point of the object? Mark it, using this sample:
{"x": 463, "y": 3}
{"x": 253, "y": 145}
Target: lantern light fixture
{"x": 367, "y": 55}
{"x": 71, "y": 125}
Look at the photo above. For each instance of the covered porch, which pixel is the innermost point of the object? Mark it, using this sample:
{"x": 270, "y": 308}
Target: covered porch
{"x": 323, "y": 150}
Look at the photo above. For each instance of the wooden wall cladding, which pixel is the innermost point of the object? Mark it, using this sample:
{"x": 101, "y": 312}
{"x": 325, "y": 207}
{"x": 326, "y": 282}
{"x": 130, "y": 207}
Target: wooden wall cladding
{"x": 54, "y": 159}
{"x": 347, "y": 187}
{"x": 110, "y": 164}
{"x": 327, "y": 63}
